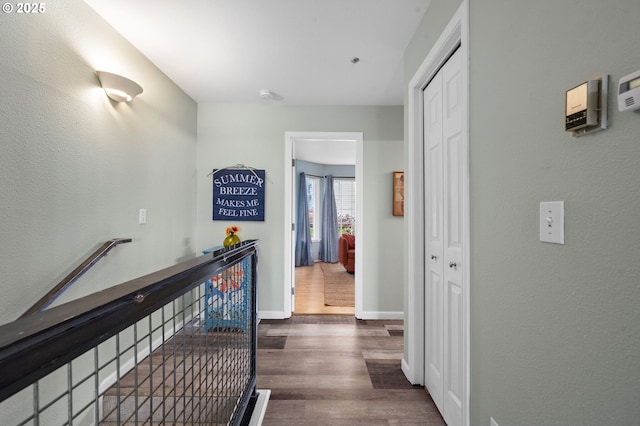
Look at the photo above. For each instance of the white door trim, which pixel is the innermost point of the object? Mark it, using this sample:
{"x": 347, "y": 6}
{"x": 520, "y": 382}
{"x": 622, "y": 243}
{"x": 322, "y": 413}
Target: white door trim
{"x": 290, "y": 139}
{"x": 456, "y": 33}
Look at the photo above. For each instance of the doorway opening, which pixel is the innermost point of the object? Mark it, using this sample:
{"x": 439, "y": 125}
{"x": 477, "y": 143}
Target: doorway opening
{"x": 309, "y": 150}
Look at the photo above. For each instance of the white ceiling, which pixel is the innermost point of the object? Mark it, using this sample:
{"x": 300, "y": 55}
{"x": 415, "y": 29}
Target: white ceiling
{"x": 226, "y": 51}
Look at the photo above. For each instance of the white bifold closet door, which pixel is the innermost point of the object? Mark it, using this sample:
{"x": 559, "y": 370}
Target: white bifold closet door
{"x": 443, "y": 176}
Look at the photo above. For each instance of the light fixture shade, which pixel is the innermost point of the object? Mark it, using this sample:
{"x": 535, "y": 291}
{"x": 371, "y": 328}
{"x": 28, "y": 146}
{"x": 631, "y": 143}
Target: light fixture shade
{"x": 117, "y": 87}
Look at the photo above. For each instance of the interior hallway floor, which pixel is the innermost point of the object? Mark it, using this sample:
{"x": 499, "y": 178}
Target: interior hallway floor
{"x": 337, "y": 370}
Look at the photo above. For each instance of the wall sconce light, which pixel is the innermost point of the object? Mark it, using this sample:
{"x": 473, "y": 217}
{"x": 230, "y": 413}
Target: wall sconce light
{"x": 117, "y": 87}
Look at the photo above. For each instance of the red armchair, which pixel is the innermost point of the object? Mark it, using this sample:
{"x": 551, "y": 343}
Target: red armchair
{"x": 347, "y": 252}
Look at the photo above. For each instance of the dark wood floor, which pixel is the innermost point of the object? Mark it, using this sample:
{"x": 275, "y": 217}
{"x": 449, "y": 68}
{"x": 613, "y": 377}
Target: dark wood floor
{"x": 337, "y": 370}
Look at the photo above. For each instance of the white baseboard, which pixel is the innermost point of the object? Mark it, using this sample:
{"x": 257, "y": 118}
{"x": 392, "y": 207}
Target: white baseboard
{"x": 407, "y": 373}
{"x": 382, "y": 315}
{"x": 366, "y": 315}
{"x": 260, "y": 408}
{"x": 271, "y": 315}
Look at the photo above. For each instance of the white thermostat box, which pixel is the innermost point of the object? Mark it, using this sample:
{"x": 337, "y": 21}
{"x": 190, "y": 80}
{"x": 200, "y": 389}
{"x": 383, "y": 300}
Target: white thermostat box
{"x": 629, "y": 92}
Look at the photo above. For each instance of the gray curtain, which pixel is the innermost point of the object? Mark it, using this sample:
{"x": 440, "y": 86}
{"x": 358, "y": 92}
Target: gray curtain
{"x": 304, "y": 253}
{"x": 329, "y": 239}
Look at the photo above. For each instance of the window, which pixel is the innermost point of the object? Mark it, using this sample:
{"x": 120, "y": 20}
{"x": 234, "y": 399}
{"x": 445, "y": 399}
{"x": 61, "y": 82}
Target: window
{"x": 345, "y": 193}
{"x": 313, "y": 192}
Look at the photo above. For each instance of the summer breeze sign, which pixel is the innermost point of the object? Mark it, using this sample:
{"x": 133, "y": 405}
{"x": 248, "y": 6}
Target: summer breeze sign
{"x": 238, "y": 194}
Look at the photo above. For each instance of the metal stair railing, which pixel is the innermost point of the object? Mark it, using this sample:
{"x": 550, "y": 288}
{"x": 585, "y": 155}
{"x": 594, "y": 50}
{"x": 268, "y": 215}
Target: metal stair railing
{"x": 164, "y": 348}
{"x": 73, "y": 276}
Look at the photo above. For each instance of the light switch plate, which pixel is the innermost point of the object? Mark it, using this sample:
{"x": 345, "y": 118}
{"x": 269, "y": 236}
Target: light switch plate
{"x": 142, "y": 216}
{"x": 552, "y": 222}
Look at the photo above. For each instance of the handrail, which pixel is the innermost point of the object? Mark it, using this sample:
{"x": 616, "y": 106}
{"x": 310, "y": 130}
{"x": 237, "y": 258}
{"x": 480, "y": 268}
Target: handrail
{"x": 34, "y": 346}
{"x": 73, "y": 276}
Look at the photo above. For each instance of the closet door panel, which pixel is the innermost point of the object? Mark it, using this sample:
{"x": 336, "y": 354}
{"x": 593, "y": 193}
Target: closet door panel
{"x": 434, "y": 238}
{"x": 444, "y": 233}
{"x": 453, "y": 235}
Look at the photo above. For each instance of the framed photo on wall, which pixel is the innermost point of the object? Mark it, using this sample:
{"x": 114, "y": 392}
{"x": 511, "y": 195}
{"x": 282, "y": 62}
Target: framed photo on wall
{"x": 398, "y": 193}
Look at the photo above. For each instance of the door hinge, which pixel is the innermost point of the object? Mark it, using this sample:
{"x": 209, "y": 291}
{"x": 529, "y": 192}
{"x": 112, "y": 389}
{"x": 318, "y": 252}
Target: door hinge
{"x": 293, "y": 291}
{"x": 293, "y": 162}
{"x": 293, "y": 226}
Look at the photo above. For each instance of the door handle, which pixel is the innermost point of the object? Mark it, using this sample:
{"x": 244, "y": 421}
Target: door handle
{"x": 434, "y": 257}
{"x": 453, "y": 265}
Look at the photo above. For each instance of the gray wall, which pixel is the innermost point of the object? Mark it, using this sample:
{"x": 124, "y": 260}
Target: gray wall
{"x": 75, "y": 167}
{"x": 338, "y": 170}
{"x": 434, "y": 21}
{"x": 254, "y": 135}
{"x": 555, "y": 329}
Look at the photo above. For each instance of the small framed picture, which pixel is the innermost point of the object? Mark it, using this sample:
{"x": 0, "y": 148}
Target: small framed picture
{"x": 398, "y": 193}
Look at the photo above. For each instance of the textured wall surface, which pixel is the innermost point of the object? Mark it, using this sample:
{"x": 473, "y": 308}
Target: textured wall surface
{"x": 76, "y": 167}
{"x": 255, "y": 135}
{"x": 555, "y": 329}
